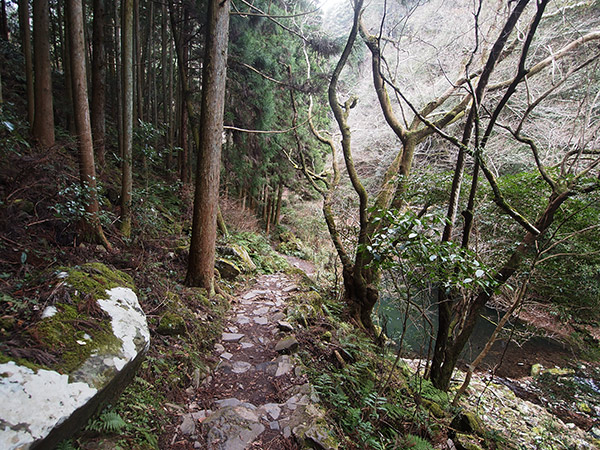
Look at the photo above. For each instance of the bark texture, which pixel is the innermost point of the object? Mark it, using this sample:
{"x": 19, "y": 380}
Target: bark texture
{"x": 127, "y": 115}
{"x": 26, "y": 48}
{"x": 87, "y": 172}
{"x": 43, "y": 122}
{"x": 204, "y": 227}
{"x": 99, "y": 81}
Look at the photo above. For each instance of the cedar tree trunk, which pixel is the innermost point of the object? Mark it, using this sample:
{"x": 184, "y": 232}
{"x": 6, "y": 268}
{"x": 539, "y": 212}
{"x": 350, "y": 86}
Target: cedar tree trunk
{"x": 204, "y": 227}
{"x": 127, "y": 112}
{"x": 43, "y": 122}
{"x": 92, "y": 228}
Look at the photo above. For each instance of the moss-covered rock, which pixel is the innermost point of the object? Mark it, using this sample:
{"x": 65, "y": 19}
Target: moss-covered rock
{"x": 75, "y": 335}
{"x": 434, "y": 408}
{"x": 98, "y": 336}
{"x": 310, "y": 428}
{"x": 171, "y": 324}
{"x": 466, "y": 442}
{"x": 227, "y": 269}
{"x": 239, "y": 255}
{"x": 289, "y": 244}
{"x": 468, "y": 422}
{"x": 77, "y": 327}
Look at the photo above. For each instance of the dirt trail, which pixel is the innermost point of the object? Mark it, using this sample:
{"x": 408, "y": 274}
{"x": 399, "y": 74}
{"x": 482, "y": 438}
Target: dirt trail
{"x": 253, "y": 397}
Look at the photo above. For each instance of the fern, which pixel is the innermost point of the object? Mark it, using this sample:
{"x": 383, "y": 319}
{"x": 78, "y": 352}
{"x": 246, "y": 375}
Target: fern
{"x": 107, "y": 422}
{"x": 66, "y": 445}
{"x": 413, "y": 442}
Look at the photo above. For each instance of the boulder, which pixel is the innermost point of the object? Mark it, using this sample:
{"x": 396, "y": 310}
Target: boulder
{"x": 103, "y": 336}
{"x": 466, "y": 442}
{"x": 227, "y": 269}
{"x": 467, "y": 422}
{"x": 310, "y": 428}
{"x": 238, "y": 254}
{"x": 171, "y": 324}
{"x": 244, "y": 258}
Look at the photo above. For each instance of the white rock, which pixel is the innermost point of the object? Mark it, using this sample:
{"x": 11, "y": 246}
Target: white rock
{"x": 252, "y": 294}
{"x": 283, "y": 368}
{"x": 261, "y": 311}
{"x": 219, "y": 348}
{"x": 128, "y": 321}
{"x": 273, "y": 410}
{"x": 188, "y": 426}
{"x": 40, "y": 400}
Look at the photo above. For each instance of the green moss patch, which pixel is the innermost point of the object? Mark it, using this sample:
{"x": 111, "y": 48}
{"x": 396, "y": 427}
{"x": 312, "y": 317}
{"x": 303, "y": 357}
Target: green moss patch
{"x": 80, "y": 328}
{"x": 96, "y": 278}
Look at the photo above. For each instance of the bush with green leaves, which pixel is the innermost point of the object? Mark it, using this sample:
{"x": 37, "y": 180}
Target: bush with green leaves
{"x": 73, "y": 202}
{"x": 413, "y": 245}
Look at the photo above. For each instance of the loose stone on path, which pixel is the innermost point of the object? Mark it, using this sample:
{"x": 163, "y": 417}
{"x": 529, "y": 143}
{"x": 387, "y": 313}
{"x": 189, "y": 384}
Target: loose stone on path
{"x": 232, "y": 337}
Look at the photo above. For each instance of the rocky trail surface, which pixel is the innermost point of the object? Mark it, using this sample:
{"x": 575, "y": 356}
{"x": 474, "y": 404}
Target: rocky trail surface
{"x": 257, "y": 397}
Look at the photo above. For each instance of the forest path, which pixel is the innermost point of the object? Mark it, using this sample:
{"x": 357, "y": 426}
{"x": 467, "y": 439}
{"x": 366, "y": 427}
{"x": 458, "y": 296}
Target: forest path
{"x": 252, "y": 399}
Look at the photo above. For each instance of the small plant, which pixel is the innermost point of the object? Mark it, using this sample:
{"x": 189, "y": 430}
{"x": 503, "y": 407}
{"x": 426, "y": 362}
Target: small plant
{"x": 107, "y": 422}
{"x": 75, "y": 198}
{"x": 410, "y": 441}
{"x": 66, "y": 445}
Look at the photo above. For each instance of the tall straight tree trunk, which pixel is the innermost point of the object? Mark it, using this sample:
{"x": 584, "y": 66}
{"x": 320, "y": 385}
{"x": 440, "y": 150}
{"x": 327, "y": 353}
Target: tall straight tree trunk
{"x": 26, "y": 46}
{"x": 68, "y": 80}
{"x": 99, "y": 82}
{"x": 183, "y": 80}
{"x": 43, "y": 122}
{"x": 138, "y": 63}
{"x": 183, "y": 140}
{"x": 164, "y": 48}
{"x": 214, "y": 72}
{"x": 116, "y": 19}
{"x": 278, "y": 207}
{"x": 127, "y": 111}
{"x": 4, "y": 34}
{"x": 92, "y": 230}
{"x": 171, "y": 101}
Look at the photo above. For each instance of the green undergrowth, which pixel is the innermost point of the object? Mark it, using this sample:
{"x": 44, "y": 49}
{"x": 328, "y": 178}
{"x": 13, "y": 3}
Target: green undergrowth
{"x": 260, "y": 250}
{"x": 132, "y": 423}
{"x": 349, "y": 373}
{"x": 371, "y": 402}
